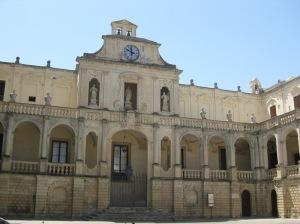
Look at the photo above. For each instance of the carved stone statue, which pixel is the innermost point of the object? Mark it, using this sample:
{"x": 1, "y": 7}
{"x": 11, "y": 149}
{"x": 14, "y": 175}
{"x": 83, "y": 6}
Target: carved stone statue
{"x": 128, "y": 96}
{"x": 13, "y": 96}
{"x": 165, "y": 102}
{"x": 253, "y": 118}
{"x": 203, "y": 113}
{"x": 256, "y": 86}
{"x": 48, "y": 99}
{"x": 93, "y": 96}
{"x": 229, "y": 116}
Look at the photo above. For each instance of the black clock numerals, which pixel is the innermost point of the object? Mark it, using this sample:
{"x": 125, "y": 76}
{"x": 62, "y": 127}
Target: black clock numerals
{"x": 131, "y": 52}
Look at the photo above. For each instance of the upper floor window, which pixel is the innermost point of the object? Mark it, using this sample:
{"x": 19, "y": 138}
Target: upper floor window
{"x": 297, "y": 101}
{"x": 2, "y": 89}
{"x": 59, "y": 151}
{"x": 273, "y": 111}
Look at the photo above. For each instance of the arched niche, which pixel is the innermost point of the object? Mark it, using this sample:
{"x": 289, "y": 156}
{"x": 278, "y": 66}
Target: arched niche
{"x": 91, "y": 150}
{"x": 26, "y": 142}
{"x": 165, "y": 153}
{"x": 165, "y": 99}
{"x": 93, "y": 95}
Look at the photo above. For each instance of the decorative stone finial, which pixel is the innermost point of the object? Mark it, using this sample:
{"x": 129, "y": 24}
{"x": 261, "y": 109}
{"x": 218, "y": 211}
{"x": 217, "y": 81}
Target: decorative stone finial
{"x": 239, "y": 88}
{"x": 216, "y": 85}
{"x": 256, "y": 87}
{"x": 229, "y": 116}
{"x": 253, "y": 118}
{"x": 13, "y": 96}
{"x": 48, "y": 63}
{"x": 17, "y": 60}
{"x": 48, "y": 99}
{"x": 192, "y": 82}
{"x": 203, "y": 113}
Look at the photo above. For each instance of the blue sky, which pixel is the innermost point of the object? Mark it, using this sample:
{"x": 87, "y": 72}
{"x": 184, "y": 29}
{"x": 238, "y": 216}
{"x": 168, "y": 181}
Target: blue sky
{"x": 228, "y": 42}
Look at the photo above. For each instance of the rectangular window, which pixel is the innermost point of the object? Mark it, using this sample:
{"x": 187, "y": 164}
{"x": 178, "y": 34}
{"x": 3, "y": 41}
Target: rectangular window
{"x": 120, "y": 159}
{"x": 2, "y": 90}
{"x": 183, "y": 158}
{"x": 297, "y": 101}
{"x": 222, "y": 154}
{"x": 59, "y": 152}
{"x": 273, "y": 111}
{"x": 31, "y": 98}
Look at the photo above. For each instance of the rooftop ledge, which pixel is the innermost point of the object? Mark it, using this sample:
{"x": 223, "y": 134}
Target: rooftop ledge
{"x": 137, "y": 118}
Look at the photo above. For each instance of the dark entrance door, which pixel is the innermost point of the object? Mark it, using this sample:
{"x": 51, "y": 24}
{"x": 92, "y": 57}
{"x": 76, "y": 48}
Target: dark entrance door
{"x": 274, "y": 203}
{"x": 246, "y": 204}
{"x": 128, "y": 188}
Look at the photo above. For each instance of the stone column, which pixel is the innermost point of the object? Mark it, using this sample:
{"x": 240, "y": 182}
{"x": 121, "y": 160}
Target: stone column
{"x": 44, "y": 145}
{"x": 9, "y": 135}
{"x": 232, "y": 165}
{"x": 204, "y": 148}
{"x": 298, "y": 134}
{"x": 279, "y": 149}
{"x": 80, "y": 147}
{"x": 176, "y": 147}
{"x": 156, "y": 162}
{"x": 103, "y": 163}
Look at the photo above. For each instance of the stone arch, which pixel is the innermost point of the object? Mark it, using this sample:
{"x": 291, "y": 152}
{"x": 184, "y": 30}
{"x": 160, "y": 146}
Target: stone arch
{"x": 58, "y": 201}
{"x": 217, "y": 152}
{"x": 165, "y": 153}
{"x": 190, "y": 151}
{"x": 243, "y": 156}
{"x": 61, "y": 144}
{"x": 91, "y": 150}
{"x": 26, "y": 142}
{"x": 292, "y": 147}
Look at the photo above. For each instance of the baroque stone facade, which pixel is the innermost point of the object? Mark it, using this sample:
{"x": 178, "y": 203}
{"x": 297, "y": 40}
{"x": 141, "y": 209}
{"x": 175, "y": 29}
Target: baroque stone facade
{"x": 121, "y": 131}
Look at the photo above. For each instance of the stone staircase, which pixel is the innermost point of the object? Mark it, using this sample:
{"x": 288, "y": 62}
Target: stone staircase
{"x": 130, "y": 214}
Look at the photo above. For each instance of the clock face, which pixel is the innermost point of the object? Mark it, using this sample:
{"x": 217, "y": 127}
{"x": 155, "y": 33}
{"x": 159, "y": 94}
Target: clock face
{"x": 131, "y": 52}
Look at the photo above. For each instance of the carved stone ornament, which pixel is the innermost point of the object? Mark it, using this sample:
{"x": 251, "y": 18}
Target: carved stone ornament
{"x": 253, "y": 118}
{"x": 48, "y": 99}
{"x": 203, "y": 113}
{"x": 229, "y": 116}
{"x": 13, "y": 96}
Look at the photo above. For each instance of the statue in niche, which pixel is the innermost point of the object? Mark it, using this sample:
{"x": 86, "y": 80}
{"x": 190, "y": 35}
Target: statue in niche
{"x": 128, "y": 96}
{"x": 203, "y": 113}
{"x": 253, "y": 118}
{"x": 165, "y": 102}
{"x": 229, "y": 116}
{"x": 93, "y": 99}
{"x": 48, "y": 99}
{"x": 13, "y": 96}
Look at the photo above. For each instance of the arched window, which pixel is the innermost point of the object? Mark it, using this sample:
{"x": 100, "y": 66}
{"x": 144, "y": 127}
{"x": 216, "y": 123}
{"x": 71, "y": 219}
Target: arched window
{"x": 164, "y": 99}
{"x": 93, "y": 94}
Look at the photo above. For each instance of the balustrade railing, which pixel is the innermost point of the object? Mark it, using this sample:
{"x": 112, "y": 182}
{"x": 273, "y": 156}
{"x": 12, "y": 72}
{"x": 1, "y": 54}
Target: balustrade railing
{"x": 293, "y": 170}
{"x": 140, "y": 118}
{"x": 245, "y": 175}
{"x": 272, "y": 173}
{"x": 61, "y": 169}
{"x": 191, "y": 174}
{"x": 218, "y": 174}
{"x": 24, "y": 167}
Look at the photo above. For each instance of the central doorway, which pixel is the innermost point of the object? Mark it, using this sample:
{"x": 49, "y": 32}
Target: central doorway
{"x": 246, "y": 204}
{"x": 128, "y": 169}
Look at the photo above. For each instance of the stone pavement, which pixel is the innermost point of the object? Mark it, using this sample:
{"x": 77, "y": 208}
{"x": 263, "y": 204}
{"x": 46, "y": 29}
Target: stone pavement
{"x": 227, "y": 221}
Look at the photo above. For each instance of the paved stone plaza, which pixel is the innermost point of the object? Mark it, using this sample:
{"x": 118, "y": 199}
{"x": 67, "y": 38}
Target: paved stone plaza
{"x": 227, "y": 221}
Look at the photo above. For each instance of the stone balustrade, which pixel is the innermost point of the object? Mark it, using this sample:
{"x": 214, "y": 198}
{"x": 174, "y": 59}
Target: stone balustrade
{"x": 218, "y": 174}
{"x": 271, "y": 173}
{"x": 293, "y": 170}
{"x": 24, "y": 167}
{"x": 147, "y": 119}
{"x": 61, "y": 169}
{"x": 191, "y": 174}
{"x": 245, "y": 175}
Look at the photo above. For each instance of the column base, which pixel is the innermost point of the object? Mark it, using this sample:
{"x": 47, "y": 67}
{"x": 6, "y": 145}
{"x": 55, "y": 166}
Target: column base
{"x": 205, "y": 172}
{"x": 79, "y": 167}
{"x": 103, "y": 169}
{"x": 43, "y": 165}
{"x": 156, "y": 170}
{"x": 6, "y": 163}
{"x": 177, "y": 171}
